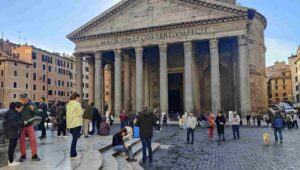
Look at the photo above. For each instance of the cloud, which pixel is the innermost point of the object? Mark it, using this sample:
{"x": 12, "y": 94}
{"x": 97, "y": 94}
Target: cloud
{"x": 279, "y": 50}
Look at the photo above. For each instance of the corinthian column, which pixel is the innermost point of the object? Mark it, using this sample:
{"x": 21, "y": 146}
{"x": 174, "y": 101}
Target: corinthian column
{"x": 98, "y": 82}
{"x": 117, "y": 82}
{"x": 126, "y": 83}
{"x": 215, "y": 76}
{"x": 78, "y": 75}
{"x": 163, "y": 78}
{"x": 188, "y": 86}
{"x": 139, "y": 79}
{"x": 244, "y": 78}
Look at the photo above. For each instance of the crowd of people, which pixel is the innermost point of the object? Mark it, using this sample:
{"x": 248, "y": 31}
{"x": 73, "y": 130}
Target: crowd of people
{"x": 85, "y": 119}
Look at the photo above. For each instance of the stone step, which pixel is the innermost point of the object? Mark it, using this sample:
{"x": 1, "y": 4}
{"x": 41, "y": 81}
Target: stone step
{"x": 139, "y": 156}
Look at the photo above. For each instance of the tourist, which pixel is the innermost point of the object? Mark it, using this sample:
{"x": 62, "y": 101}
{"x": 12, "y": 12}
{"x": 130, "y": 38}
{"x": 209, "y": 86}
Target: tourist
{"x": 44, "y": 115}
{"x": 220, "y": 122}
{"x": 107, "y": 118}
{"x": 258, "y": 118}
{"x": 295, "y": 121}
{"x": 253, "y": 118}
{"x": 96, "y": 118}
{"x": 277, "y": 124}
{"x": 131, "y": 117}
{"x": 124, "y": 119}
{"x": 12, "y": 126}
{"x": 119, "y": 145}
{"x": 235, "y": 122}
{"x": 87, "y": 118}
{"x": 29, "y": 112}
{"x": 191, "y": 124}
{"x": 145, "y": 122}
{"x": 111, "y": 119}
{"x": 104, "y": 129}
{"x": 74, "y": 121}
{"x": 248, "y": 117}
{"x": 157, "y": 120}
{"x": 203, "y": 120}
{"x": 184, "y": 118}
{"x": 211, "y": 125}
{"x": 289, "y": 121}
{"x": 165, "y": 119}
{"x": 61, "y": 119}
{"x": 53, "y": 111}
{"x": 180, "y": 121}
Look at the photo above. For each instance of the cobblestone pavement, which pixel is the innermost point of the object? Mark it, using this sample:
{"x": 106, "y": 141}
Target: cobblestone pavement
{"x": 248, "y": 153}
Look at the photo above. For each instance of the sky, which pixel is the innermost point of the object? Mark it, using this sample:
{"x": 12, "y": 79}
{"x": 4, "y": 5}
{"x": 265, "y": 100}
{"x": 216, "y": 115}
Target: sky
{"x": 45, "y": 23}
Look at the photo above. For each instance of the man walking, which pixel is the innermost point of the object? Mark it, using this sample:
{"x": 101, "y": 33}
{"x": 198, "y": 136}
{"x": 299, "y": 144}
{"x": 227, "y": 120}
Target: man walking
{"x": 124, "y": 119}
{"x": 96, "y": 117}
{"x": 29, "y": 111}
{"x": 277, "y": 124}
{"x": 235, "y": 122}
{"x": 145, "y": 122}
{"x": 191, "y": 123}
{"x": 87, "y": 117}
{"x": 44, "y": 115}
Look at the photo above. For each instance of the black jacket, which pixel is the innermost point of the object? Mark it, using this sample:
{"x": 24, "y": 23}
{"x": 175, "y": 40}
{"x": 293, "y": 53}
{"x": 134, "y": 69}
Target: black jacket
{"x": 146, "y": 121}
{"x": 12, "y": 124}
{"x": 220, "y": 120}
{"x": 117, "y": 139}
{"x": 96, "y": 115}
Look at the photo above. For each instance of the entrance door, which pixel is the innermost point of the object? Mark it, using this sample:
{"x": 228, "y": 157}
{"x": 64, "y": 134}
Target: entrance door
{"x": 175, "y": 84}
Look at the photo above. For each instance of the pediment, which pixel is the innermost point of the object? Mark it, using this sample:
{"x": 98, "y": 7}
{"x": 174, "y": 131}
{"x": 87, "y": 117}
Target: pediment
{"x": 136, "y": 14}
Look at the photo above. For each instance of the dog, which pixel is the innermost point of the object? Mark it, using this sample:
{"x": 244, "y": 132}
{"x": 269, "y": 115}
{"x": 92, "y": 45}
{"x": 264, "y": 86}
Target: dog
{"x": 266, "y": 138}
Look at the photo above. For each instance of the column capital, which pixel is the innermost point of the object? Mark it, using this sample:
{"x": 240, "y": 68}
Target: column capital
{"x": 242, "y": 40}
{"x": 188, "y": 45}
{"x": 214, "y": 43}
{"x": 98, "y": 55}
{"x": 78, "y": 55}
{"x": 163, "y": 47}
{"x": 117, "y": 52}
{"x": 139, "y": 51}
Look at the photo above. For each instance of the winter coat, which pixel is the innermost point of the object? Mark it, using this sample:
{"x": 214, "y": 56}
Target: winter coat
{"x": 44, "y": 109}
{"x": 219, "y": 120}
{"x": 12, "y": 124}
{"x": 117, "y": 139}
{"x": 27, "y": 113}
{"x": 61, "y": 115}
{"x": 95, "y": 114}
{"x": 211, "y": 121}
{"x": 104, "y": 128}
{"x": 278, "y": 121}
{"x": 74, "y": 114}
{"x": 146, "y": 121}
{"x": 87, "y": 114}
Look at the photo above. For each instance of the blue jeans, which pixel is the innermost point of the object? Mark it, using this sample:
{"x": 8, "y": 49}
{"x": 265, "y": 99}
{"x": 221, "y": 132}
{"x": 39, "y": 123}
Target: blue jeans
{"x": 236, "y": 131}
{"x": 278, "y": 130}
{"x": 95, "y": 127}
{"x": 76, "y": 134}
{"x": 146, "y": 143}
{"x": 121, "y": 148}
{"x": 123, "y": 124}
{"x": 190, "y": 132}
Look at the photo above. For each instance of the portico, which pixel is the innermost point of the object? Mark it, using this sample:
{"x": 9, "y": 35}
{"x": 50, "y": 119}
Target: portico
{"x": 204, "y": 63}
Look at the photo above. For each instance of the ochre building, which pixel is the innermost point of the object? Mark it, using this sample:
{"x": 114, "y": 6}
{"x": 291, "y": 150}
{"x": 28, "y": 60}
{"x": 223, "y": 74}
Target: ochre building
{"x": 178, "y": 55}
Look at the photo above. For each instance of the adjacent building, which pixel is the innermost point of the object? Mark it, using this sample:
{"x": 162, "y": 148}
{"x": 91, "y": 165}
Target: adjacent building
{"x": 279, "y": 83}
{"x": 294, "y": 62}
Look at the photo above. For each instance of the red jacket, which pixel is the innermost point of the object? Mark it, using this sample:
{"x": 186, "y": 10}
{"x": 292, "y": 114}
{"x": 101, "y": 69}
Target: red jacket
{"x": 123, "y": 117}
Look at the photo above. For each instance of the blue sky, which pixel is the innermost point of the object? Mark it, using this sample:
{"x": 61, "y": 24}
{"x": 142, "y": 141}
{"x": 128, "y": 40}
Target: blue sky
{"x": 45, "y": 23}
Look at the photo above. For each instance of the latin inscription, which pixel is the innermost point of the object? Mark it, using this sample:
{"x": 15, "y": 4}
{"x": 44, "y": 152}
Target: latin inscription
{"x": 155, "y": 36}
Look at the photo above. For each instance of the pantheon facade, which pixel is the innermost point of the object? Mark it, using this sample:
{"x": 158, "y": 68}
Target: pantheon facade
{"x": 178, "y": 55}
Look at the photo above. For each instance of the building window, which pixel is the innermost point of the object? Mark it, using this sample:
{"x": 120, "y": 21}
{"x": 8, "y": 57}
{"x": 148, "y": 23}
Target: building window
{"x": 50, "y": 92}
{"x": 86, "y": 77}
{"x": 34, "y": 65}
{"x": 44, "y": 78}
{"x": 55, "y": 93}
{"x": 15, "y": 85}
{"x": 34, "y": 76}
{"x": 283, "y": 81}
{"x": 49, "y": 68}
{"x": 2, "y": 73}
{"x": 296, "y": 79}
{"x": 87, "y": 85}
{"x": 58, "y": 82}
{"x": 296, "y": 70}
{"x": 44, "y": 67}
{"x": 34, "y": 87}
{"x": 15, "y": 73}
{"x": 63, "y": 83}
{"x": 284, "y": 94}
{"x": 14, "y": 96}
{"x": 68, "y": 94}
{"x": 276, "y": 94}
{"x": 87, "y": 95}
{"x": 276, "y": 82}
{"x": 33, "y": 96}
{"x": 297, "y": 87}
{"x": 16, "y": 64}
{"x": 27, "y": 75}
{"x": 276, "y": 87}
{"x": 2, "y": 84}
{"x": 26, "y": 86}
{"x": 44, "y": 88}
{"x": 49, "y": 81}
{"x": 33, "y": 55}
{"x": 284, "y": 87}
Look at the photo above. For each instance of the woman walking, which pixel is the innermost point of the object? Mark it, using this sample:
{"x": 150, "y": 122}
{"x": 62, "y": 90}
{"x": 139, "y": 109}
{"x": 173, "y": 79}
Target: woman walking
{"x": 74, "y": 121}
{"x": 211, "y": 125}
{"x": 221, "y": 121}
{"x": 12, "y": 127}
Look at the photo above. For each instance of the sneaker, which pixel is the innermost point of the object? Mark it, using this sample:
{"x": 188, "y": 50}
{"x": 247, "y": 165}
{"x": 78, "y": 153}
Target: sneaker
{"x": 22, "y": 159}
{"x": 13, "y": 163}
{"x": 36, "y": 158}
{"x": 143, "y": 164}
{"x": 131, "y": 160}
{"x": 86, "y": 136}
{"x": 75, "y": 157}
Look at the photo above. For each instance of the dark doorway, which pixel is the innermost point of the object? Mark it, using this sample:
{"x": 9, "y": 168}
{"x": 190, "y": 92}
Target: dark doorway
{"x": 175, "y": 81}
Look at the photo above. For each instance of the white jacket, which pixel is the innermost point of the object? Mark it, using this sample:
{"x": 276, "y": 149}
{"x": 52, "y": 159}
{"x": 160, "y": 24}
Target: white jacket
{"x": 236, "y": 120}
{"x": 191, "y": 122}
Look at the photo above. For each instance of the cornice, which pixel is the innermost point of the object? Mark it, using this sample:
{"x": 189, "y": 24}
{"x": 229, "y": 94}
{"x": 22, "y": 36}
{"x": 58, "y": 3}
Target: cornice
{"x": 119, "y": 7}
{"x": 163, "y": 27}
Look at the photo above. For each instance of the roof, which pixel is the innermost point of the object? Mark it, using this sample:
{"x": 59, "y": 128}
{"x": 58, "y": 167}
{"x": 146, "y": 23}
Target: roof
{"x": 116, "y": 9}
{"x": 13, "y": 60}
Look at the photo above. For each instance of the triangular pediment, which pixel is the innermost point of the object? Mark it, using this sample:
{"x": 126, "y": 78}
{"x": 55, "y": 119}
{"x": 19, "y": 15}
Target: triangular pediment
{"x": 136, "y": 14}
